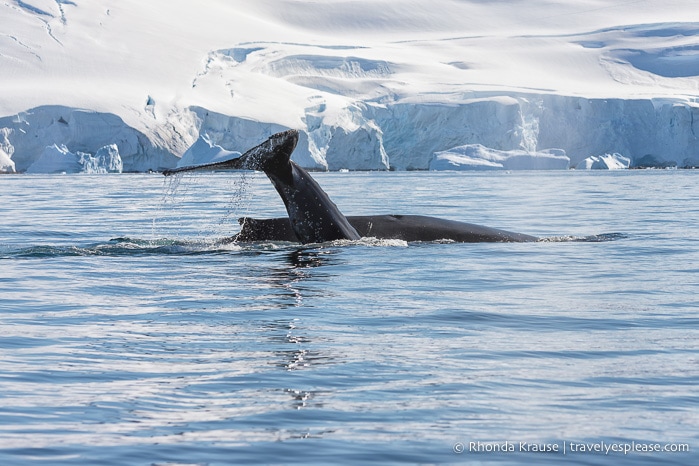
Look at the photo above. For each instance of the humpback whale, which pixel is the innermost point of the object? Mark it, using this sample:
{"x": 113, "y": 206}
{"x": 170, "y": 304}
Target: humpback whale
{"x": 403, "y": 227}
{"x": 314, "y": 218}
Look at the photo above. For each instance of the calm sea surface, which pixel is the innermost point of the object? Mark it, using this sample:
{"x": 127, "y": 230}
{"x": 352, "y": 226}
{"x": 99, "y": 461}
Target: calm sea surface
{"x": 128, "y": 337}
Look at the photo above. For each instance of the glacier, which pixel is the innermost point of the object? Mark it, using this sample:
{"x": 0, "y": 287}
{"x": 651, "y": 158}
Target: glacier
{"x": 382, "y": 85}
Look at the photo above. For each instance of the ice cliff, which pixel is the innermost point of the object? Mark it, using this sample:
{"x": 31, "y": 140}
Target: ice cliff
{"x": 380, "y": 137}
{"x": 40, "y": 134}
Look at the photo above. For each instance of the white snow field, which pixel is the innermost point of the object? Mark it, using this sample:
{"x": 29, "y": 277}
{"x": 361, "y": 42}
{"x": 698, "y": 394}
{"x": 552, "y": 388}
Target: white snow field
{"x": 371, "y": 84}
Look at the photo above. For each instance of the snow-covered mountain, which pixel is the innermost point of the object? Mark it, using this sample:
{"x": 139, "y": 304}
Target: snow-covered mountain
{"x": 372, "y": 84}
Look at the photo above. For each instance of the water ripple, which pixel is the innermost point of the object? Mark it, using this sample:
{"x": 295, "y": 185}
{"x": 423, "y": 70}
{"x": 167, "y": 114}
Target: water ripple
{"x": 162, "y": 347}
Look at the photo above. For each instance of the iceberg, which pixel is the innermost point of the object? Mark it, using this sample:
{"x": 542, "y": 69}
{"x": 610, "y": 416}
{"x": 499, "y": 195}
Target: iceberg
{"x": 478, "y": 157}
{"x": 58, "y": 159}
{"x": 605, "y": 162}
{"x": 106, "y": 160}
{"x": 6, "y": 163}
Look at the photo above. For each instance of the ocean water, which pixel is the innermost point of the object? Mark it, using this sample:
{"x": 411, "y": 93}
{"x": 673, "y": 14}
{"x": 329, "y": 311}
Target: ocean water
{"x": 129, "y": 337}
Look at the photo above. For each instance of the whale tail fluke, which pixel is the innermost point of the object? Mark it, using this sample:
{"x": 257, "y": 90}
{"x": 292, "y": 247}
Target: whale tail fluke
{"x": 274, "y": 152}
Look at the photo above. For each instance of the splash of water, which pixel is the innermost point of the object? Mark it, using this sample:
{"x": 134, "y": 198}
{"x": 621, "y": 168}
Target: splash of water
{"x": 604, "y": 237}
{"x": 238, "y": 204}
{"x": 172, "y": 213}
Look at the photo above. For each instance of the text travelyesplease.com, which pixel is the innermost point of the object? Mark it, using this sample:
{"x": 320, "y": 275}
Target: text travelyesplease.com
{"x": 569, "y": 447}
